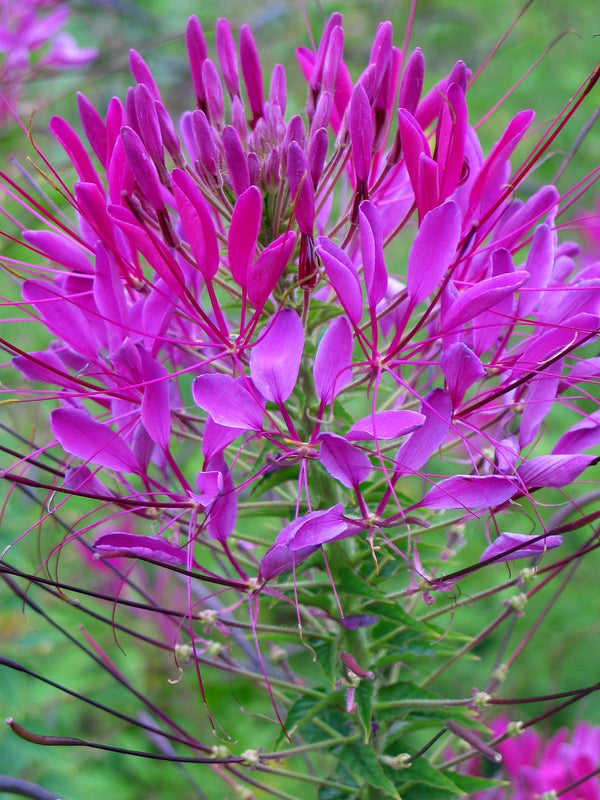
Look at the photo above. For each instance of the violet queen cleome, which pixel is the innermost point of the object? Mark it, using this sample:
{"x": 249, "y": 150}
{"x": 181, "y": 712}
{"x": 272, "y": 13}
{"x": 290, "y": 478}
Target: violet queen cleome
{"x": 294, "y": 349}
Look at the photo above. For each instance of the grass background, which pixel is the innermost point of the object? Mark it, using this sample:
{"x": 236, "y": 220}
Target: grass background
{"x": 569, "y": 642}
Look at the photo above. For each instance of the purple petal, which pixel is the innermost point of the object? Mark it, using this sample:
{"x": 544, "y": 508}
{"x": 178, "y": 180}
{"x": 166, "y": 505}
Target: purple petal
{"x": 228, "y": 402}
{"x": 237, "y": 163}
{"x": 210, "y": 484}
{"x": 302, "y": 193}
{"x": 264, "y": 273}
{"x": 538, "y": 402}
{"x": 223, "y": 512}
{"x": 216, "y": 437}
{"x": 197, "y": 54}
{"x": 130, "y": 545}
{"x": 470, "y": 492}
{"x": 584, "y": 434}
{"x": 461, "y": 369}
{"x": 414, "y": 452}
{"x": 386, "y": 425}
{"x": 343, "y": 461}
{"x": 252, "y": 72}
{"x": 411, "y": 84}
{"x": 227, "y": 56}
{"x": 156, "y": 408}
{"x": 197, "y": 223}
{"x": 528, "y": 546}
{"x": 243, "y": 233}
{"x": 554, "y": 470}
{"x": 371, "y": 245}
{"x": 84, "y": 437}
{"x": 61, "y": 316}
{"x": 343, "y": 277}
{"x": 361, "y": 133}
{"x": 143, "y": 168}
{"x": 355, "y": 621}
{"x": 540, "y": 261}
{"x": 481, "y": 297}
{"x": 275, "y": 359}
{"x": 433, "y": 250}
{"x": 60, "y": 248}
{"x": 332, "y": 366}
{"x": 301, "y": 538}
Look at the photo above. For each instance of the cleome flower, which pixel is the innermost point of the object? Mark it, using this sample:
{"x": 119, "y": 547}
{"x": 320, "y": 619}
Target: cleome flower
{"x": 352, "y": 319}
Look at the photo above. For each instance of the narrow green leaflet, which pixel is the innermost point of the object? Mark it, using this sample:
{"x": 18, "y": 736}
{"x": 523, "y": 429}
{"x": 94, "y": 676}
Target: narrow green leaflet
{"x": 362, "y": 761}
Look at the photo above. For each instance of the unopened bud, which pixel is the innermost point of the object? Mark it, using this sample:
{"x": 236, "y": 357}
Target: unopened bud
{"x": 518, "y": 603}
{"x": 527, "y": 575}
{"x": 514, "y": 729}
{"x": 220, "y": 751}
{"x": 251, "y": 758}
{"x": 481, "y": 699}
{"x": 500, "y": 673}
{"x": 401, "y": 761}
{"x": 183, "y": 652}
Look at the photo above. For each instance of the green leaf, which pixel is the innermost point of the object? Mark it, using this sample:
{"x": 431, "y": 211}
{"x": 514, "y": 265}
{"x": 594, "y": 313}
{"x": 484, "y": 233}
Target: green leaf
{"x": 272, "y": 479}
{"x": 321, "y": 312}
{"x": 470, "y": 784}
{"x": 302, "y": 711}
{"x": 421, "y": 772}
{"x": 327, "y": 659}
{"x": 363, "y": 763}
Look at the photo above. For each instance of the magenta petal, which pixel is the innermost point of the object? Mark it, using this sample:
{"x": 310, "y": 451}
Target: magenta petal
{"x": 243, "y": 233}
{"x": 371, "y": 245}
{"x": 433, "y": 250}
{"x": 361, "y": 132}
{"x": 386, "y": 425}
{"x": 156, "y": 408}
{"x": 223, "y": 512}
{"x": 538, "y": 402}
{"x": 130, "y": 545}
{"x": 228, "y": 402}
{"x": 301, "y": 188}
{"x": 275, "y": 359}
{"x": 301, "y": 538}
{"x": 210, "y": 484}
{"x": 481, "y": 297}
{"x": 461, "y": 369}
{"x": 343, "y": 461}
{"x": 469, "y": 492}
{"x": 540, "y": 261}
{"x": 216, "y": 437}
{"x": 264, "y": 273}
{"x": 553, "y": 471}
{"x": 84, "y": 437}
{"x": 332, "y": 366}
{"x": 343, "y": 277}
{"x": 528, "y": 546}
{"x": 197, "y": 223}
{"x": 414, "y": 452}
{"x": 584, "y": 434}
{"x": 59, "y": 247}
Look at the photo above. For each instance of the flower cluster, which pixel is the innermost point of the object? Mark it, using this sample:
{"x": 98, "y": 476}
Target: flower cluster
{"x": 535, "y": 768}
{"x": 30, "y": 41}
{"x": 272, "y": 335}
